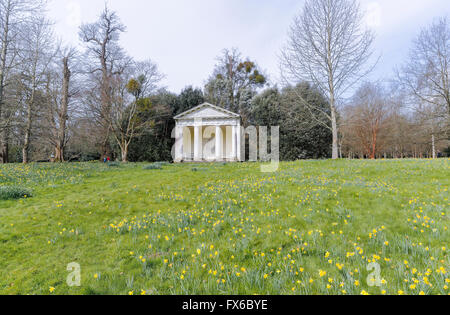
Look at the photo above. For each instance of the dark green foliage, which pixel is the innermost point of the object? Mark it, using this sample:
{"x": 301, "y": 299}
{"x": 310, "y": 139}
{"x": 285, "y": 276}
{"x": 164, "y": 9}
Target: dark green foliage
{"x": 14, "y": 192}
{"x": 188, "y": 98}
{"x": 265, "y": 110}
{"x": 15, "y": 153}
{"x": 155, "y": 143}
{"x": 447, "y": 152}
{"x": 301, "y": 136}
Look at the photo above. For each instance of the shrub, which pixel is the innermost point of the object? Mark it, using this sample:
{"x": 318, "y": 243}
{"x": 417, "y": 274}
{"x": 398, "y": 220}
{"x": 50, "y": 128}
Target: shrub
{"x": 14, "y": 192}
{"x": 162, "y": 163}
{"x": 155, "y": 166}
{"x": 114, "y": 164}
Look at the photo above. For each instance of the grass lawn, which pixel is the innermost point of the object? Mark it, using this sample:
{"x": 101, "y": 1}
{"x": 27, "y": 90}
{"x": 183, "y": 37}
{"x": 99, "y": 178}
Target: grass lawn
{"x": 313, "y": 227}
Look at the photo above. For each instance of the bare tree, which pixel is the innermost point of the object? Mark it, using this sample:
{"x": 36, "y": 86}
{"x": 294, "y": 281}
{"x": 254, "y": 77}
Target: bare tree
{"x": 426, "y": 77}
{"x": 367, "y": 118}
{"x": 426, "y": 73}
{"x": 139, "y": 80}
{"x": 124, "y": 122}
{"x": 14, "y": 16}
{"x": 234, "y": 82}
{"x": 108, "y": 60}
{"x": 433, "y": 126}
{"x": 37, "y": 57}
{"x": 63, "y": 111}
{"x": 329, "y": 47}
{"x": 60, "y": 92}
{"x": 147, "y": 74}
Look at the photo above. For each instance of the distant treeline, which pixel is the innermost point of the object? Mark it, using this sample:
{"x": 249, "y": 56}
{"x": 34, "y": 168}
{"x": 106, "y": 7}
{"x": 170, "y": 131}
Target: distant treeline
{"x": 59, "y": 103}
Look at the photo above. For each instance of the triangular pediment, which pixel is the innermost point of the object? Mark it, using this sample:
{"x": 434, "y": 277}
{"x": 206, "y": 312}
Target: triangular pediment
{"x": 206, "y": 111}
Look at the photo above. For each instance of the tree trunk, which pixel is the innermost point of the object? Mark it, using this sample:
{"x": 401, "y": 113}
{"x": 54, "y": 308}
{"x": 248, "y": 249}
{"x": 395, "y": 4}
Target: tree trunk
{"x": 3, "y": 118}
{"x": 335, "y": 154}
{"x": 125, "y": 154}
{"x": 26, "y": 143}
{"x": 373, "y": 150}
{"x": 105, "y": 102}
{"x": 4, "y": 152}
{"x": 61, "y": 141}
{"x": 433, "y": 141}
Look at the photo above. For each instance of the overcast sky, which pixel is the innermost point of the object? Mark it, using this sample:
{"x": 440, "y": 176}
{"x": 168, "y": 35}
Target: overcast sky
{"x": 184, "y": 37}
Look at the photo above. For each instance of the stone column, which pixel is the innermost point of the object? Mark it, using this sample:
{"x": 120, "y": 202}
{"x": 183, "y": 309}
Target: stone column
{"x": 239, "y": 152}
{"x": 179, "y": 138}
{"x": 198, "y": 143}
{"x": 234, "y": 154}
{"x": 219, "y": 143}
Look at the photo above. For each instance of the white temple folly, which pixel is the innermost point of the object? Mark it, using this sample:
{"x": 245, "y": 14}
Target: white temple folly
{"x": 208, "y": 133}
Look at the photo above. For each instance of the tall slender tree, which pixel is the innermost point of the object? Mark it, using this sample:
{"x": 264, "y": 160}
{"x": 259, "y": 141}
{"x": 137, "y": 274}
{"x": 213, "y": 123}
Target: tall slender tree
{"x": 426, "y": 79}
{"x": 329, "y": 47}
{"x": 37, "y": 58}
{"x": 105, "y": 60}
{"x": 60, "y": 91}
{"x": 15, "y": 16}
